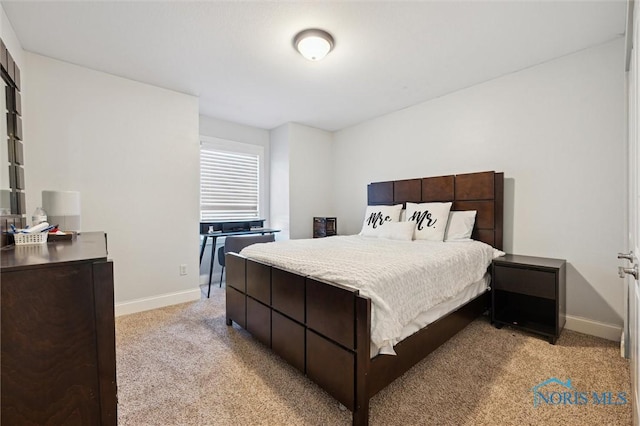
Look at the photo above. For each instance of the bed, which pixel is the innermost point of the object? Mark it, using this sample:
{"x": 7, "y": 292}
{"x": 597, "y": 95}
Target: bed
{"x": 324, "y": 329}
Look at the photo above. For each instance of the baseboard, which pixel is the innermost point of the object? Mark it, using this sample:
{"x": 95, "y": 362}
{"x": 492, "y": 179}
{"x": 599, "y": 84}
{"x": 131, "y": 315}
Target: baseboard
{"x": 594, "y": 328}
{"x": 147, "y": 303}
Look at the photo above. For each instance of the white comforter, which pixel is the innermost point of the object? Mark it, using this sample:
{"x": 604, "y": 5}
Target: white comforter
{"x": 402, "y": 278}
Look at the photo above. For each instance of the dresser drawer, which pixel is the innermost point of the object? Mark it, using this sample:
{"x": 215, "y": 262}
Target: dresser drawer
{"x": 525, "y": 281}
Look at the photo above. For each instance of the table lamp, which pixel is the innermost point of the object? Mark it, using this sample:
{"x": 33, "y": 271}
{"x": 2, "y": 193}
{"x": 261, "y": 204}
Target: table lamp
{"x": 63, "y": 209}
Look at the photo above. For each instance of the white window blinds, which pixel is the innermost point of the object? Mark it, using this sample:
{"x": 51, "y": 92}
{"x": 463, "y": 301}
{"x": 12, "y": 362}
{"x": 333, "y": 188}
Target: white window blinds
{"x": 229, "y": 185}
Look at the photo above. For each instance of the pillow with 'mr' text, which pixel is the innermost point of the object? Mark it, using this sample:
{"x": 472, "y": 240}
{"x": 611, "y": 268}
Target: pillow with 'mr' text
{"x": 430, "y": 218}
{"x": 377, "y": 216}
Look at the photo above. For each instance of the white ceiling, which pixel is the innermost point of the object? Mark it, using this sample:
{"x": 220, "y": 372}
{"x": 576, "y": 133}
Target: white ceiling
{"x": 237, "y": 57}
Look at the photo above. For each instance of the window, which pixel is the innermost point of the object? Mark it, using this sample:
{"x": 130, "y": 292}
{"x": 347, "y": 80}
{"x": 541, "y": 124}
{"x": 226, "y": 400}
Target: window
{"x": 229, "y": 180}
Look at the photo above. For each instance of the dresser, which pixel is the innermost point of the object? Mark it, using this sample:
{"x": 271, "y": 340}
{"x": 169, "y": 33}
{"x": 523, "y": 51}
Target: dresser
{"x": 58, "y": 362}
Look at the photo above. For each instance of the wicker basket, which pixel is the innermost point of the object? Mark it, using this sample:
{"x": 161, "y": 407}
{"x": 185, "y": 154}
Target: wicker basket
{"x": 30, "y": 239}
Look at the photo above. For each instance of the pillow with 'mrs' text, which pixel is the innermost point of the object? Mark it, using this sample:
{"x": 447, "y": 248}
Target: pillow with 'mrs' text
{"x": 430, "y": 218}
{"x": 377, "y": 216}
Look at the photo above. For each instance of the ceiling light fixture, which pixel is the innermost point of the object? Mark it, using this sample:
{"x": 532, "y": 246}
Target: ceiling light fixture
{"x": 313, "y": 44}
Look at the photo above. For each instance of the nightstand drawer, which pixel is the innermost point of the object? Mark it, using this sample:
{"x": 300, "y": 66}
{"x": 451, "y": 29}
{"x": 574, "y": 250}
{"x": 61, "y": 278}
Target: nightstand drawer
{"x": 525, "y": 281}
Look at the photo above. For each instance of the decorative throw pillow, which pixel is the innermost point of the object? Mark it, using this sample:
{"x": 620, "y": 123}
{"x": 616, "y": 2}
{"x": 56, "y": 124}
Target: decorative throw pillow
{"x": 377, "y": 216}
{"x": 401, "y": 231}
{"x": 460, "y": 225}
{"x": 430, "y": 218}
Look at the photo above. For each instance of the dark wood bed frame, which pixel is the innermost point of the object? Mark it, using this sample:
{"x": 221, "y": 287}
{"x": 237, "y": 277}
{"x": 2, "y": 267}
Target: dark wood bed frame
{"x": 323, "y": 329}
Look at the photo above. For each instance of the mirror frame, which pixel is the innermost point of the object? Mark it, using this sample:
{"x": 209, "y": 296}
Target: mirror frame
{"x": 11, "y": 75}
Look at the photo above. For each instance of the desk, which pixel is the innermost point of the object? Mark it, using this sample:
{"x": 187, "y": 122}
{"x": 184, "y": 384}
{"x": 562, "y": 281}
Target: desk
{"x": 216, "y": 235}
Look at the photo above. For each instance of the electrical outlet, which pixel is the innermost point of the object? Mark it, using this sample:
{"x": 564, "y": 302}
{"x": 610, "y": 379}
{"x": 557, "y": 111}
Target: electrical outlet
{"x": 183, "y": 269}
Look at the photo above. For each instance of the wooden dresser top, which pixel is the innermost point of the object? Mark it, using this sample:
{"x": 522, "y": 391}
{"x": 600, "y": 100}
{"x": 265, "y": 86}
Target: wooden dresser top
{"x": 88, "y": 246}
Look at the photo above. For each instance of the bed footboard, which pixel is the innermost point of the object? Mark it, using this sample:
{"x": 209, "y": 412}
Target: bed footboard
{"x": 320, "y": 328}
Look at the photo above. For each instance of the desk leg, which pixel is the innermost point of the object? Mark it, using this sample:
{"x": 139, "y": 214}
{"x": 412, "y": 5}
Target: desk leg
{"x": 213, "y": 256}
{"x": 204, "y": 244}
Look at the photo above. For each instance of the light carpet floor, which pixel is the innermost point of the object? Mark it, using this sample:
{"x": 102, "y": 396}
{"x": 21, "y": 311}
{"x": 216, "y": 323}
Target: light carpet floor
{"x": 182, "y": 365}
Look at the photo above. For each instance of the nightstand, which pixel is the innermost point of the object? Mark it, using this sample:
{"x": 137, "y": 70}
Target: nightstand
{"x": 529, "y": 293}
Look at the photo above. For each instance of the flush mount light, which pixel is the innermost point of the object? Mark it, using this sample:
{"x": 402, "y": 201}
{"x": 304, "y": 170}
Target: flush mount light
{"x": 313, "y": 44}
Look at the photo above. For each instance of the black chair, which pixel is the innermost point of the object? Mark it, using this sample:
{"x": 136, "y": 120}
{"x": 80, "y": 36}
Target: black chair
{"x": 235, "y": 243}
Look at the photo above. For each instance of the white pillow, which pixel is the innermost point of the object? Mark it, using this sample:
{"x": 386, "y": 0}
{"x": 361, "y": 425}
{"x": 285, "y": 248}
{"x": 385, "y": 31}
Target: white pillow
{"x": 460, "y": 225}
{"x": 376, "y": 217}
{"x": 401, "y": 231}
{"x": 430, "y": 218}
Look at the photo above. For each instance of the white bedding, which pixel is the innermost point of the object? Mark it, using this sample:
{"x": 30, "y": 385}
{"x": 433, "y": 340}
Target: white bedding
{"x": 402, "y": 278}
{"x": 438, "y": 311}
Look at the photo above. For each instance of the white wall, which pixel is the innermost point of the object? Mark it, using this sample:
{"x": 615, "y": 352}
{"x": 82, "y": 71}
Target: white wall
{"x": 280, "y": 180}
{"x": 301, "y": 183}
{"x": 556, "y": 130}
{"x": 132, "y": 150}
{"x": 210, "y": 126}
{"x": 310, "y": 181}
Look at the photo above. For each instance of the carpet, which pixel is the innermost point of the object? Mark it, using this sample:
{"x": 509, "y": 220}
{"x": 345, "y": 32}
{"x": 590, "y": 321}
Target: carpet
{"x": 181, "y": 365}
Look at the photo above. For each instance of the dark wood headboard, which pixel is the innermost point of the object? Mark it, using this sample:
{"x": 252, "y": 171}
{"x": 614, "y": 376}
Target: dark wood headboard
{"x": 482, "y": 192}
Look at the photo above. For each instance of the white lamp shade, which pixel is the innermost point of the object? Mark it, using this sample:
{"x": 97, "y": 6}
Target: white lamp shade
{"x": 313, "y": 44}
{"x": 314, "y": 48}
{"x": 62, "y": 208}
